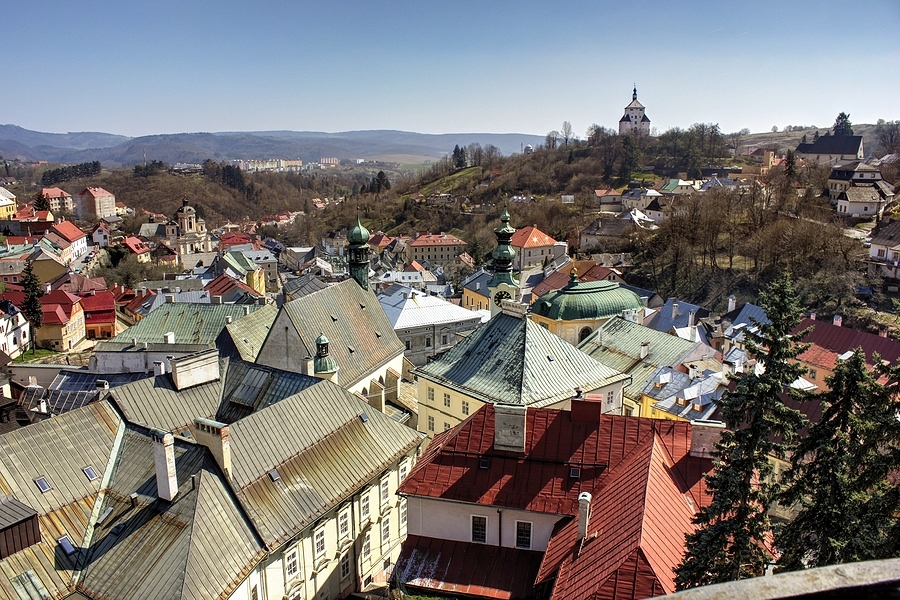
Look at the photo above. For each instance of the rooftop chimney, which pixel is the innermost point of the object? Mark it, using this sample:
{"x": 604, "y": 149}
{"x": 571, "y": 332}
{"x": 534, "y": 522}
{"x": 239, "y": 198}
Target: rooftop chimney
{"x": 159, "y": 367}
{"x": 215, "y": 436}
{"x": 228, "y": 318}
{"x": 812, "y": 316}
{"x": 584, "y": 514}
{"x": 732, "y": 303}
{"x": 838, "y": 320}
{"x": 704, "y": 436}
{"x": 509, "y": 427}
{"x": 645, "y": 349}
{"x": 674, "y": 310}
{"x": 246, "y": 310}
{"x": 194, "y": 369}
{"x": 170, "y": 337}
{"x": 164, "y": 457}
{"x": 102, "y": 384}
{"x": 170, "y": 298}
{"x": 692, "y": 371}
{"x": 691, "y": 317}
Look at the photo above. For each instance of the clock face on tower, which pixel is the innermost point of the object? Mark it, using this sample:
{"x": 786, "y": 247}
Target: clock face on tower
{"x": 500, "y": 296}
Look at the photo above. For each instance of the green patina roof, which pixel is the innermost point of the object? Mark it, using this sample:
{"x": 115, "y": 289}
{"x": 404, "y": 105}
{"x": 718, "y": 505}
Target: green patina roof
{"x": 516, "y": 361}
{"x": 587, "y": 300}
{"x": 358, "y": 234}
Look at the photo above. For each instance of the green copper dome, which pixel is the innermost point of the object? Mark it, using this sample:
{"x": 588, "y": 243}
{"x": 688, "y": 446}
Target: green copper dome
{"x": 358, "y": 234}
{"x": 323, "y": 362}
{"x": 584, "y": 301}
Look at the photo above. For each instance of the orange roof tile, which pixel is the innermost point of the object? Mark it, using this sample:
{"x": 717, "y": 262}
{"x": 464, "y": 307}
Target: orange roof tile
{"x": 69, "y": 231}
{"x": 437, "y": 239}
{"x": 531, "y": 237}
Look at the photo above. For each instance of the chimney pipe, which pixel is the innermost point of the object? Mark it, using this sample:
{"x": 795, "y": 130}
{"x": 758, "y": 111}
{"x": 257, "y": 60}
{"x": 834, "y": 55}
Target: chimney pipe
{"x": 692, "y": 371}
{"x": 246, "y": 310}
{"x": 584, "y": 514}
{"x": 691, "y": 318}
{"x": 732, "y": 303}
{"x": 164, "y": 458}
{"x": 674, "y": 310}
{"x": 645, "y": 349}
{"x": 812, "y": 316}
{"x": 838, "y": 320}
{"x": 159, "y": 367}
{"x": 170, "y": 337}
{"x": 215, "y": 436}
{"x": 228, "y": 318}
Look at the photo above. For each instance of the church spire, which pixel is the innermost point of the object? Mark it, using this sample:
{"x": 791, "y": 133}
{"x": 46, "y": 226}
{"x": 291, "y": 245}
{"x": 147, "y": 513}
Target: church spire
{"x": 634, "y": 92}
{"x": 358, "y": 250}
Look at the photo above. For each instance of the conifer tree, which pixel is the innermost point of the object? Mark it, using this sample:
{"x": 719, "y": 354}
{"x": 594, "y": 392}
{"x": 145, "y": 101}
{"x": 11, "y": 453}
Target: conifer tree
{"x": 838, "y": 478}
{"x": 733, "y": 529}
{"x": 31, "y": 306}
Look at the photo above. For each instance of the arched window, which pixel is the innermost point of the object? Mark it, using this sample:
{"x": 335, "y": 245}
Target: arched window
{"x": 584, "y": 333}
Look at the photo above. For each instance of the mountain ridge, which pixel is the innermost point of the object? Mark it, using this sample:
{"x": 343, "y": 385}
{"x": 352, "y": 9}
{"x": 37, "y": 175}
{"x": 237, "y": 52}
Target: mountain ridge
{"x": 121, "y": 151}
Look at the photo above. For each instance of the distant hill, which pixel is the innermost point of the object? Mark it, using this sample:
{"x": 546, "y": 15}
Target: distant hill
{"x": 309, "y": 146}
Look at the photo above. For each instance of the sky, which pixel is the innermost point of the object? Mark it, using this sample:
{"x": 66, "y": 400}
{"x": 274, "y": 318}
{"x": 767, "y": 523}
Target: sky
{"x": 144, "y": 68}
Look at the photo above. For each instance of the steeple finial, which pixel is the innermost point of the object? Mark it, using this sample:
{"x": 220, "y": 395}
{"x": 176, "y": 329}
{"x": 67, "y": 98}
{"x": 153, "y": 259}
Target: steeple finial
{"x": 634, "y": 93}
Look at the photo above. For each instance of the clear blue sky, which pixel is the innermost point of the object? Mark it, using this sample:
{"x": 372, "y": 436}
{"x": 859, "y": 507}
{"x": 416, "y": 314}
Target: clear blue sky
{"x": 140, "y": 68}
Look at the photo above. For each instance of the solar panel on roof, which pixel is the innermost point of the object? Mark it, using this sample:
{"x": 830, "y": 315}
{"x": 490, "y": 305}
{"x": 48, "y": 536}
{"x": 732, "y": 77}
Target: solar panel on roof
{"x": 66, "y": 545}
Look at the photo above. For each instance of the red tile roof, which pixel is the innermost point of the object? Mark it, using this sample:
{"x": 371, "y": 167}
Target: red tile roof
{"x": 645, "y": 489}
{"x": 841, "y": 339}
{"x": 635, "y": 536}
{"x": 53, "y": 192}
{"x": 96, "y": 192}
{"x": 135, "y": 245}
{"x": 380, "y": 240}
{"x": 69, "y": 231}
{"x": 414, "y": 267}
{"x": 99, "y": 308}
{"x": 531, "y": 237}
{"x": 452, "y": 567}
{"x": 223, "y": 284}
{"x": 550, "y": 283}
{"x": 541, "y": 480}
{"x": 437, "y": 239}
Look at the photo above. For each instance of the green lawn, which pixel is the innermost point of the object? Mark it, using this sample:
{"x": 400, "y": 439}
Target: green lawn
{"x": 34, "y": 355}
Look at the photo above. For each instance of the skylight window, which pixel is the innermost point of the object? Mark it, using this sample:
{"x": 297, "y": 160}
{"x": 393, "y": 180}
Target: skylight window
{"x": 66, "y": 545}
{"x": 43, "y": 484}
{"x": 274, "y": 476}
{"x": 90, "y": 473}
{"x": 364, "y": 417}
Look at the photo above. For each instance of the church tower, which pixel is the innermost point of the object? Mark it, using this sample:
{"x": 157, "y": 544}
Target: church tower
{"x": 503, "y": 286}
{"x": 635, "y": 119}
{"x": 358, "y": 253}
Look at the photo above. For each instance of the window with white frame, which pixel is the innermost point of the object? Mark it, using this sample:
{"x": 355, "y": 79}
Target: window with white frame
{"x": 364, "y": 505}
{"x": 431, "y": 394}
{"x": 385, "y": 490}
{"x": 430, "y": 423}
{"x": 479, "y": 529}
{"x": 345, "y": 565}
{"x": 465, "y": 407}
{"x": 403, "y": 512}
{"x": 319, "y": 542}
{"x": 366, "y": 546}
{"x": 610, "y": 396}
{"x": 344, "y": 522}
{"x": 523, "y": 534}
{"x": 386, "y": 529}
{"x": 447, "y": 400}
{"x": 404, "y": 469}
{"x": 291, "y": 564}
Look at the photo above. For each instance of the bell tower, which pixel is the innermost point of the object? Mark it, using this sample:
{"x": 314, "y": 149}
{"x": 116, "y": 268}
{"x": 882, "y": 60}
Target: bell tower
{"x": 358, "y": 253}
{"x": 502, "y": 285}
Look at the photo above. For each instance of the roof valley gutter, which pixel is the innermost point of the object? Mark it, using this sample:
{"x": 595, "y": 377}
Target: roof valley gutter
{"x": 81, "y": 563}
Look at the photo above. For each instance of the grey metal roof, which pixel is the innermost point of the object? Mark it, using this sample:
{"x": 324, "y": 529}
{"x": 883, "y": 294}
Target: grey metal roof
{"x": 196, "y": 327}
{"x": 617, "y": 344}
{"x": 13, "y": 512}
{"x": 515, "y": 361}
{"x": 248, "y": 388}
{"x": 56, "y": 449}
{"x": 360, "y": 334}
{"x": 323, "y": 452}
{"x": 198, "y": 546}
{"x": 154, "y": 402}
{"x": 249, "y": 332}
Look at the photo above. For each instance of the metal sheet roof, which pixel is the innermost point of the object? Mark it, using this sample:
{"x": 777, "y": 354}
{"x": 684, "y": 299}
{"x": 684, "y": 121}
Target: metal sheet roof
{"x": 249, "y": 331}
{"x": 361, "y": 336}
{"x": 320, "y": 463}
{"x": 198, "y": 546}
{"x": 515, "y": 361}
{"x": 406, "y": 308}
{"x": 192, "y": 324}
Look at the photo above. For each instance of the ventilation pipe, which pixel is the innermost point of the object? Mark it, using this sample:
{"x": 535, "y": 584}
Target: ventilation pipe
{"x": 584, "y": 514}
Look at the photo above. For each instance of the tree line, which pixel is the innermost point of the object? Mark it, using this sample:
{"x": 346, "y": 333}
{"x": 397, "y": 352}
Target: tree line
{"x": 838, "y": 483}
{"x": 67, "y": 173}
